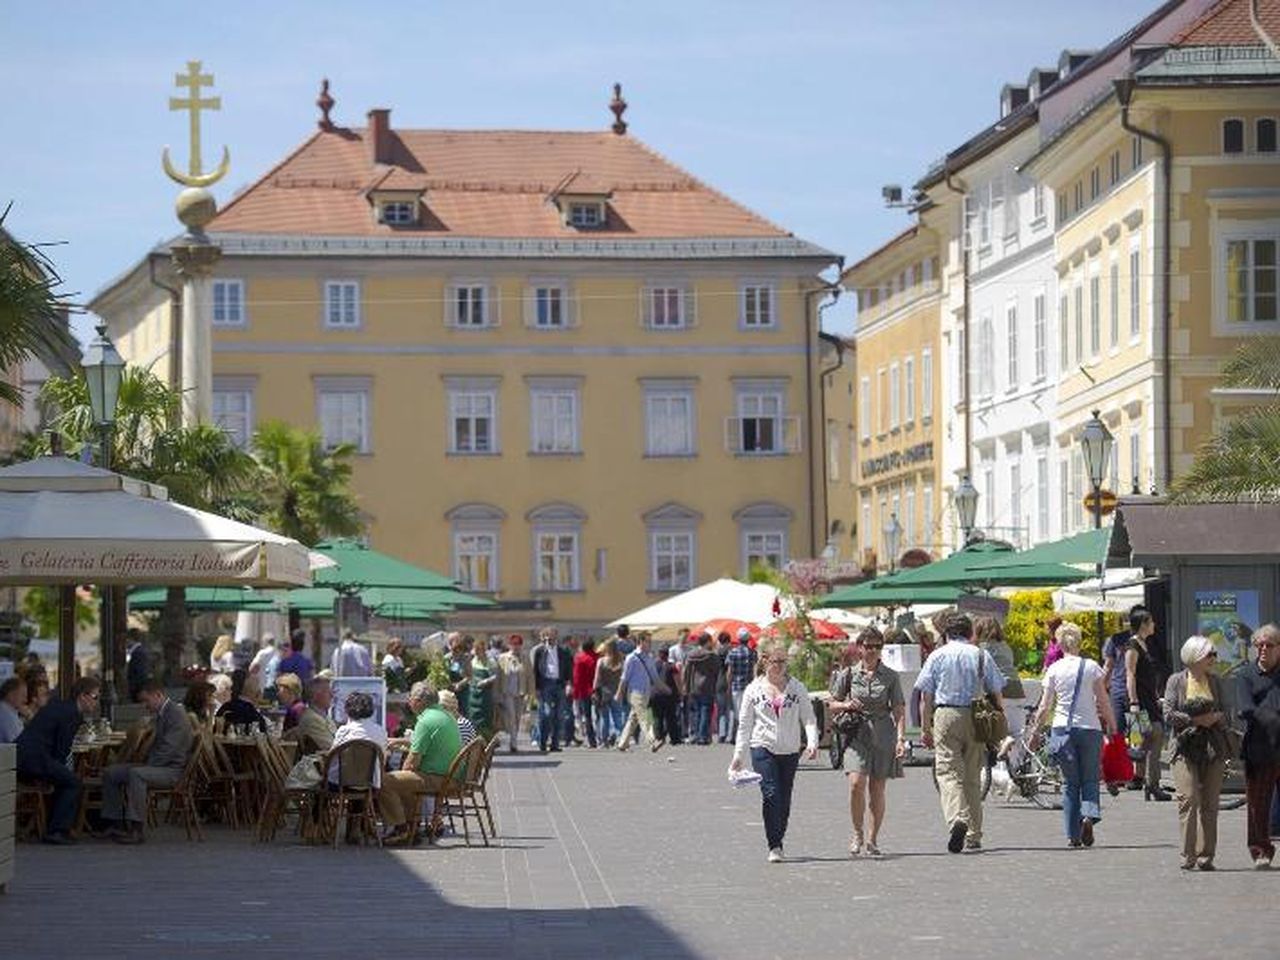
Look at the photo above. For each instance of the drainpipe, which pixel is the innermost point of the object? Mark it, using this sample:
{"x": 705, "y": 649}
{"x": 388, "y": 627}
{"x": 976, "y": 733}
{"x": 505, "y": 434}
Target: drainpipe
{"x": 1124, "y": 87}
{"x": 822, "y": 415}
{"x": 175, "y": 324}
{"x": 809, "y": 338}
{"x": 964, "y": 321}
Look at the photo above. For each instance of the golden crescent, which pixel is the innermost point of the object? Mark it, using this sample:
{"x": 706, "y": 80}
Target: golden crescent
{"x": 204, "y": 180}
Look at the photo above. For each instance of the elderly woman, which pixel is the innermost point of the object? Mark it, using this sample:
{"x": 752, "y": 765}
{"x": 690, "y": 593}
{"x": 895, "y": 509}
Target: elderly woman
{"x": 989, "y": 636}
{"x": 775, "y": 711}
{"x": 1075, "y": 688}
{"x": 221, "y": 689}
{"x": 289, "y": 693}
{"x": 870, "y": 691}
{"x": 239, "y": 710}
{"x": 449, "y": 704}
{"x": 360, "y": 725}
{"x": 1196, "y": 711}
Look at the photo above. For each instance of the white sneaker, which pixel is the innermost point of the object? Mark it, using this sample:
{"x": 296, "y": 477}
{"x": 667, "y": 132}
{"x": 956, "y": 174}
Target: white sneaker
{"x": 775, "y": 855}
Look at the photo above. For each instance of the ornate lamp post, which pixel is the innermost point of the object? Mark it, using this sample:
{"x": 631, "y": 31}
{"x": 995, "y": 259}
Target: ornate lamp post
{"x": 1096, "y": 442}
{"x": 892, "y": 540}
{"x": 103, "y": 370}
{"x": 966, "y": 501}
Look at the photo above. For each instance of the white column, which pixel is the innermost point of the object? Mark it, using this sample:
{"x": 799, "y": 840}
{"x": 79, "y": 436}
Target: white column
{"x": 195, "y": 262}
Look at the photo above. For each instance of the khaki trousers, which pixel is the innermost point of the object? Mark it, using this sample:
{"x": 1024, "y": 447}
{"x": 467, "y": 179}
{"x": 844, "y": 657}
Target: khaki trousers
{"x": 639, "y": 715}
{"x": 1197, "y": 791}
{"x": 957, "y": 762}
{"x": 510, "y": 710}
{"x": 402, "y": 790}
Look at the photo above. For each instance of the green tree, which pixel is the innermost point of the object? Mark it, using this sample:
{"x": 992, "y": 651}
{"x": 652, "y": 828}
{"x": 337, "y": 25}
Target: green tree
{"x": 31, "y": 310}
{"x": 306, "y": 490}
{"x": 1242, "y": 461}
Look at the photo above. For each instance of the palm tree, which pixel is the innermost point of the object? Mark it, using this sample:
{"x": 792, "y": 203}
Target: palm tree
{"x": 32, "y": 313}
{"x": 1242, "y": 462}
{"x": 306, "y": 491}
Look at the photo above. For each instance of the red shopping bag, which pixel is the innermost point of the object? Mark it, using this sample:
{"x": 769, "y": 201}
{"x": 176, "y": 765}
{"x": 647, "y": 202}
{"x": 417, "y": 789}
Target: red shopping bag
{"x": 1117, "y": 767}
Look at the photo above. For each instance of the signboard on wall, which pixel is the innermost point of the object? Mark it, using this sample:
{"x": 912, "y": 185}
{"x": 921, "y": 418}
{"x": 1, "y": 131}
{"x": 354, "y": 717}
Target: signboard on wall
{"x": 1228, "y": 618}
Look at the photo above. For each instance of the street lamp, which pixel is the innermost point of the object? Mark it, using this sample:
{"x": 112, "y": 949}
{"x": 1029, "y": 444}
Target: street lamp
{"x": 1095, "y": 444}
{"x": 892, "y": 540}
{"x": 966, "y": 500}
{"x": 103, "y": 370}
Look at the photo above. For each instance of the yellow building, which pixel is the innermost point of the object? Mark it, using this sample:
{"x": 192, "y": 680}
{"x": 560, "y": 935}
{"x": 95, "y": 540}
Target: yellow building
{"x": 1167, "y": 244}
{"x": 898, "y": 398}
{"x": 837, "y": 356}
{"x": 574, "y": 373}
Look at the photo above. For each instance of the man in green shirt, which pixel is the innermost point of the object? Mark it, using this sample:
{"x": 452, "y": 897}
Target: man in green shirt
{"x": 432, "y": 747}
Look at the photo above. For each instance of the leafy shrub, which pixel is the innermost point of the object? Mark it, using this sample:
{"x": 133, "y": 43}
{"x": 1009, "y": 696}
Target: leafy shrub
{"x": 1030, "y": 610}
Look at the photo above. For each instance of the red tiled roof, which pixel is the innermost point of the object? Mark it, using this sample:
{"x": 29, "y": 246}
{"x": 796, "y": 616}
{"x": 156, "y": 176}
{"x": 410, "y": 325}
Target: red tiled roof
{"x": 485, "y": 183}
{"x": 1227, "y": 24}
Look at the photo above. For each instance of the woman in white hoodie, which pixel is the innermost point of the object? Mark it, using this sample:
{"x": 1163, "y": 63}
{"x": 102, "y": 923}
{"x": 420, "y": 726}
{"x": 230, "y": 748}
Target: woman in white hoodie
{"x": 775, "y": 708}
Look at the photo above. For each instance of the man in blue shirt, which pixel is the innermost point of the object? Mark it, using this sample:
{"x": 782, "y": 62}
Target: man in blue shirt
{"x": 639, "y": 672}
{"x": 740, "y": 668}
{"x": 955, "y": 675}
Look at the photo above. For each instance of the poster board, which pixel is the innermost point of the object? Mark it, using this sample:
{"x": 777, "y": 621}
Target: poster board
{"x": 1227, "y": 618}
{"x": 376, "y": 687}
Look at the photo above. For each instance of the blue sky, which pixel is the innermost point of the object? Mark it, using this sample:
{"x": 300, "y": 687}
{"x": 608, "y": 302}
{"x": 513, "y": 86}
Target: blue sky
{"x": 799, "y": 110}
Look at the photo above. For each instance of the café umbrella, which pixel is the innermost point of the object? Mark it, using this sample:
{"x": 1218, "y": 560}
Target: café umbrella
{"x": 64, "y": 523}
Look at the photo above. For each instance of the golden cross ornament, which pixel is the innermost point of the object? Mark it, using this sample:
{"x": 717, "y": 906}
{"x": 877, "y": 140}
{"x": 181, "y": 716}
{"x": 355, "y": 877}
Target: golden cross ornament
{"x": 195, "y": 176}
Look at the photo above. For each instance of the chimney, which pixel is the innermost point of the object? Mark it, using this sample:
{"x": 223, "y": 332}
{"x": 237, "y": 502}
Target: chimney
{"x": 380, "y": 138}
{"x": 1012, "y": 97}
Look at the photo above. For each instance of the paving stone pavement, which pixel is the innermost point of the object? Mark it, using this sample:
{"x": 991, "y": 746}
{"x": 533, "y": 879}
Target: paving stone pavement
{"x": 654, "y": 855}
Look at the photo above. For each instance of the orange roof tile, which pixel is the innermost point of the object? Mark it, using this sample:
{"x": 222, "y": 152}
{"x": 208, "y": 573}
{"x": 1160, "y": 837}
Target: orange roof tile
{"x": 485, "y": 183}
{"x": 1227, "y": 24}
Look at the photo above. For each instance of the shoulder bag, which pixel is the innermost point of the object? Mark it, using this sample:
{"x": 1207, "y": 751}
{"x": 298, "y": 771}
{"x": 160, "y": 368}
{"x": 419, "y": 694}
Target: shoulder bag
{"x": 847, "y": 722}
{"x": 657, "y": 686}
{"x": 990, "y": 725}
{"x": 1060, "y": 749}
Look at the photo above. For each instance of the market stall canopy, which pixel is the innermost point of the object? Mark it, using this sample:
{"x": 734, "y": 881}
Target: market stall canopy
{"x": 62, "y": 521}
{"x": 1152, "y": 533}
{"x": 359, "y": 566}
{"x": 393, "y": 603}
{"x": 987, "y": 564}
{"x": 884, "y": 592}
{"x": 1087, "y": 549}
{"x": 1117, "y": 592}
{"x": 197, "y": 599}
{"x": 752, "y": 602}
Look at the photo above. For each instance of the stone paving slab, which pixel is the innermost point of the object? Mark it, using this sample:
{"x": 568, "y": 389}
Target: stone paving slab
{"x": 654, "y": 855}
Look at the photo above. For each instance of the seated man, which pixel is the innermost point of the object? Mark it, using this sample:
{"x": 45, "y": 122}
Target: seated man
{"x": 125, "y": 785}
{"x": 13, "y": 700}
{"x": 315, "y": 728}
{"x": 239, "y": 711}
{"x": 44, "y": 753}
{"x": 434, "y": 744}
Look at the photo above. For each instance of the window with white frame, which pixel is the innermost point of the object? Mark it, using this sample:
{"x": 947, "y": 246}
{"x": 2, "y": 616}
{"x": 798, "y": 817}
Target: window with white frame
{"x": 1114, "y": 300}
{"x": 548, "y": 306}
{"x": 864, "y": 408}
{"x": 342, "y": 406}
{"x": 1042, "y": 496}
{"x": 1011, "y": 339}
{"x": 1061, "y": 204}
{"x": 926, "y": 271}
{"x": 1115, "y": 167}
{"x": 760, "y": 419}
{"x": 762, "y": 529}
{"x": 1064, "y": 329}
{"x": 667, "y": 308}
{"x": 397, "y": 212}
{"x": 342, "y": 304}
{"x": 1252, "y": 266}
{"x": 586, "y": 214}
{"x": 1064, "y": 501}
{"x": 1078, "y": 196}
{"x": 853, "y": 454}
{"x": 1135, "y": 152}
{"x": 475, "y": 533}
{"x": 669, "y": 420}
{"x": 1135, "y": 455}
{"x": 553, "y": 417}
{"x": 1113, "y": 469}
{"x": 1037, "y": 202}
{"x": 228, "y": 303}
{"x": 1095, "y": 312}
{"x": 1095, "y": 183}
{"x": 670, "y": 560}
{"x": 1135, "y": 292}
{"x": 986, "y": 356}
{"x": 1233, "y": 136}
{"x": 1040, "y": 336}
{"x": 758, "y": 306}
{"x": 1015, "y": 499}
{"x": 926, "y": 384}
{"x": 1079, "y": 297}
{"x": 989, "y": 496}
{"x": 961, "y": 368}
{"x": 882, "y": 401}
{"x": 908, "y": 390}
{"x": 864, "y": 530}
{"x": 473, "y": 416}
{"x": 1078, "y": 483}
{"x": 557, "y": 563}
{"x": 895, "y": 396}
{"x": 833, "y": 450}
{"x": 232, "y": 410}
{"x": 984, "y": 223}
{"x": 1264, "y": 135}
{"x": 909, "y": 534}
{"x": 926, "y": 515}
{"x": 469, "y": 304}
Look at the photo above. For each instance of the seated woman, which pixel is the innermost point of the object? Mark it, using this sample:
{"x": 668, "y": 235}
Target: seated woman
{"x": 360, "y": 725}
{"x": 289, "y": 695}
{"x": 198, "y": 703}
{"x": 449, "y": 704}
{"x": 37, "y": 696}
{"x": 239, "y": 711}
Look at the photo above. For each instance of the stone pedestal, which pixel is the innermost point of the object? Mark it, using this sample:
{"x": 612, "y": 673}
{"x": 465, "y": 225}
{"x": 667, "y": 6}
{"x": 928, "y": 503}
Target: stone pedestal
{"x": 195, "y": 258}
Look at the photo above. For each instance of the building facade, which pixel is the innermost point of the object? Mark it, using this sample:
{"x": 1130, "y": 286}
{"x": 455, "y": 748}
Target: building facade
{"x": 898, "y": 401}
{"x": 838, "y": 357}
{"x": 574, "y": 375}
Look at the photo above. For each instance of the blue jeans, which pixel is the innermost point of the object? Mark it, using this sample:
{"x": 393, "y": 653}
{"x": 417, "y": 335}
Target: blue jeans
{"x": 610, "y": 718}
{"x": 702, "y": 718}
{"x": 724, "y": 715}
{"x": 777, "y": 777}
{"x": 1080, "y": 780}
{"x": 550, "y": 712}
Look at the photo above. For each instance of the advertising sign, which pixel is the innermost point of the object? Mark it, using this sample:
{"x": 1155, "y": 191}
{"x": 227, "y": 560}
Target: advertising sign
{"x": 1227, "y": 618}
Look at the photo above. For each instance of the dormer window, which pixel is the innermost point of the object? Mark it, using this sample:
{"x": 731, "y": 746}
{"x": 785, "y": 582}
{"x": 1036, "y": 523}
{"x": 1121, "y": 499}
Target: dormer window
{"x": 586, "y": 214}
{"x": 397, "y": 212}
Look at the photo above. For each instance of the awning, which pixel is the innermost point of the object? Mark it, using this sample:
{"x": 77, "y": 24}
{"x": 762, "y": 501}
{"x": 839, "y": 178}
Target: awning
{"x": 1087, "y": 548}
{"x": 1152, "y": 533}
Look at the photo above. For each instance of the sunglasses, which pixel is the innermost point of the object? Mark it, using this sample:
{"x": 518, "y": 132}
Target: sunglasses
{"x": 1265, "y": 645}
